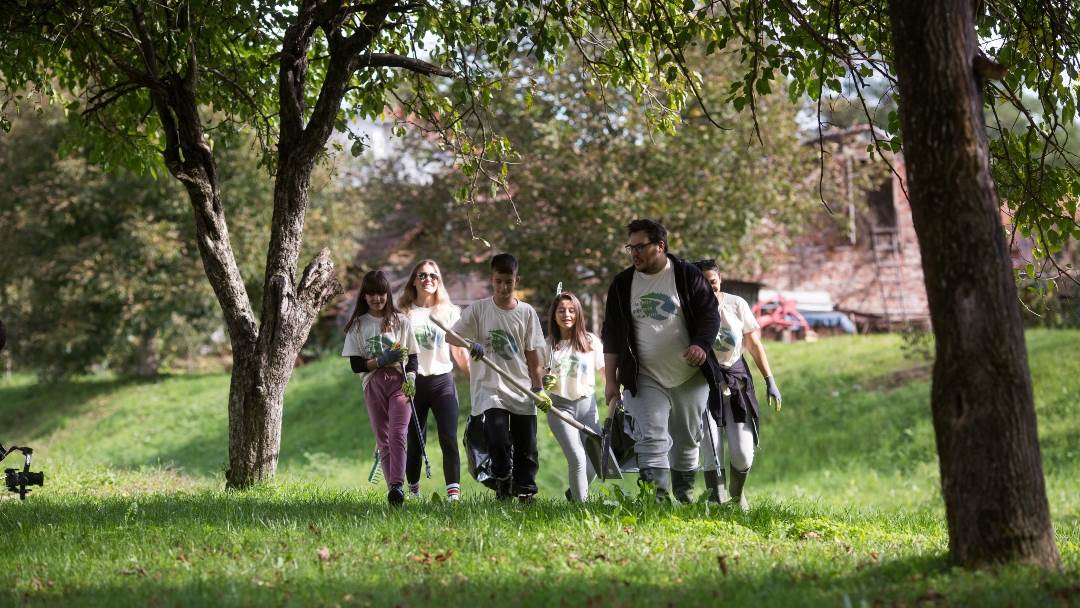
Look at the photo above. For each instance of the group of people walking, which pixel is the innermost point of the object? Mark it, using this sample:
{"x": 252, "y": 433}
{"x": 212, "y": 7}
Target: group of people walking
{"x": 670, "y": 354}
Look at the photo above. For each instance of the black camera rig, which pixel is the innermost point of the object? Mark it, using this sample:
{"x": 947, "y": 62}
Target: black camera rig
{"x": 16, "y": 480}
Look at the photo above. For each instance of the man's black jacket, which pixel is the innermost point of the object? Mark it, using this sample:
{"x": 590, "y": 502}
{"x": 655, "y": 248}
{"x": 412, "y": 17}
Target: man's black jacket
{"x": 700, "y": 311}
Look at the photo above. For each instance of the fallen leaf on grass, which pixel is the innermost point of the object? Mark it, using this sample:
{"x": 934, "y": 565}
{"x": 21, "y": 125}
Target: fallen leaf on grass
{"x": 324, "y": 554}
{"x": 427, "y": 558}
{"x": 137, "y": 571}
{"x": 810, "y": 535}
{"x": 313, "y": 529}
{"x": 39, "y": 584}
{"x": 723, "y": 564}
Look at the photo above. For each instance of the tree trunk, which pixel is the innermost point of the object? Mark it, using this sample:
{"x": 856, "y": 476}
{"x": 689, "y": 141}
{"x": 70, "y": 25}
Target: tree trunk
{"x": 983, "y": 408}
{"x": 146, "y": 357}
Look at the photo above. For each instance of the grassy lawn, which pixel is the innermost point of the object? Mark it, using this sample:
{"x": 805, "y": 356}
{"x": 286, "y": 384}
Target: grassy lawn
{"x": 846, "y": 505}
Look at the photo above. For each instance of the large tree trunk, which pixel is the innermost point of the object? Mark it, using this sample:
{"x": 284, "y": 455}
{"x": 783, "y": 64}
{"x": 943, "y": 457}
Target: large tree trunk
{"x": 983, "y": 408}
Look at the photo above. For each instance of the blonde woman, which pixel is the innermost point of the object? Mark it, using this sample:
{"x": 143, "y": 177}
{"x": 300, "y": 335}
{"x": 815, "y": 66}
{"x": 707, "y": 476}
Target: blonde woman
{"x": 425, "y": 295}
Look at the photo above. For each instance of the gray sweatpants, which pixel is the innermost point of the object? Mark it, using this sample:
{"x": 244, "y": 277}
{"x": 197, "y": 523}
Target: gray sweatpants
{"x": 579, "y": 469}
{"x": 740, "y": 439}
{"x": 665, "y": 423}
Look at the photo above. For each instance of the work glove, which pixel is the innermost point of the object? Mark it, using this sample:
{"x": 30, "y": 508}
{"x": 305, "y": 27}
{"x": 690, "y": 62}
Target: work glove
{"x": 390, "y": 356}
{"x": 476, "y": 351}
{"x": 549, "y": 381}
{"x": 543, "y": 403}
{"x": 409, "y": 386}
{"x": 774, "y": 393}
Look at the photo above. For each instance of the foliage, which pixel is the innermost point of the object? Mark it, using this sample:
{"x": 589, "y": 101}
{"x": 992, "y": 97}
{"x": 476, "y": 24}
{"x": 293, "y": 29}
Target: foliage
{"x": 100, "y": 269}
{"x": 587, "y": 162}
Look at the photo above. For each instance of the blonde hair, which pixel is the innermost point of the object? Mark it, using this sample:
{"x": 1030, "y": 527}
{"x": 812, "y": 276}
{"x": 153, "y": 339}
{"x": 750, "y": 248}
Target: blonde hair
{"x": 409, "y": 296}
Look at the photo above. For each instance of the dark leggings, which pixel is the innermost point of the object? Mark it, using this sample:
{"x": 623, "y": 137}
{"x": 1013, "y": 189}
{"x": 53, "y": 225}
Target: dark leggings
{"x": 438, "y": 395}
{"x": 512, "y": 441}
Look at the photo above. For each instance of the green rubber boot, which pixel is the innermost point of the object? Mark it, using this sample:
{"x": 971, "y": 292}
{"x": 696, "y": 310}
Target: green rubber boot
{"x": 659, "y": 479}
{"x": 682, "y": 484}
{"x": 738, "y": 480}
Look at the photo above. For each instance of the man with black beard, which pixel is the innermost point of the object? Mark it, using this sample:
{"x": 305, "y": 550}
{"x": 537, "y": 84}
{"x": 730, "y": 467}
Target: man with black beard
{"x": 660, "y": 323}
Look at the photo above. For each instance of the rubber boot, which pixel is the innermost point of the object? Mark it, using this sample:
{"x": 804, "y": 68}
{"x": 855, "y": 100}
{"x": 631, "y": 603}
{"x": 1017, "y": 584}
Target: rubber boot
{"x": 738, "y": 479}
{"x": 682, "y": 483}
{"x": 504, "y": 488}
{"x": 714, "y": 481}
{"x": 660, "y": 479}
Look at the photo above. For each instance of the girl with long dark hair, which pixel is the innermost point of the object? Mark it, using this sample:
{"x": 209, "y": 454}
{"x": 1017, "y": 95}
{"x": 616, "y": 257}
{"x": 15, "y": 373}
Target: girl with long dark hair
{"x": 381, "y": 348}
{"x": 576, "y": 357}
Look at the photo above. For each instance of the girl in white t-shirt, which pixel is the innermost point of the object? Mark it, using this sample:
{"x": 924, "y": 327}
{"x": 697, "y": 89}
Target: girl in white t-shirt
{"x": 424, "y": 296}
{"x": 381, "y": 348}
{"x": 738, "y": 417}
{"x": 576, "y": 357}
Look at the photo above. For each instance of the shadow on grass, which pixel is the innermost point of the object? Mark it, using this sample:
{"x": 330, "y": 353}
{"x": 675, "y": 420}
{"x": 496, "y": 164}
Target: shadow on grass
{"x": 30, "y": 412}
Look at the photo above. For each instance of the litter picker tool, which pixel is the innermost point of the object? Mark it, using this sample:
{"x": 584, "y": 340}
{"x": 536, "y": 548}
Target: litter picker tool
{"x": 594, "y": 442}
{"x": 419, "y": 431}
{"x": 376, "y": 470}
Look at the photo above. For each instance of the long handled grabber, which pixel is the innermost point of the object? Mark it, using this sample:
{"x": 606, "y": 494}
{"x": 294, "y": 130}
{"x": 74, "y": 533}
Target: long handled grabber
{"x": 419, "y": 431}
{"x": 594, "y": 442}
{"x": 376, "y": 469}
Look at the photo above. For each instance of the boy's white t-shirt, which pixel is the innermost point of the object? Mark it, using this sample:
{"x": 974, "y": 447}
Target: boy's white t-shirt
{"x": 736, "y": 320}
{"x": 662, "y": 338}
{"x": 367, "y": 339}
{"x": 433, "y": 357}
{"x": 506, "y": 335}
{"x": 575, "y": 371}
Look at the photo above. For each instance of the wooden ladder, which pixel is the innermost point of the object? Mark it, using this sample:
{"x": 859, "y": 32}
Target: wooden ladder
{"x": 889, "y": 265}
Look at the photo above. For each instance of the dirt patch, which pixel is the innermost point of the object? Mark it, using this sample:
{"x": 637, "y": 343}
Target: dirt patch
{"x": 894, "y": 380}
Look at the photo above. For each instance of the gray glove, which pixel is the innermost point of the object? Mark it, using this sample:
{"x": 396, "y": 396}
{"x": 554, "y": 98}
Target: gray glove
{"x": 774, "y": 393}
{"x": 390, "y": 356}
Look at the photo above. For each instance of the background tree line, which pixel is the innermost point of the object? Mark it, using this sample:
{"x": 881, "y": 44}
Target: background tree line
{"x": 99, "y": 268}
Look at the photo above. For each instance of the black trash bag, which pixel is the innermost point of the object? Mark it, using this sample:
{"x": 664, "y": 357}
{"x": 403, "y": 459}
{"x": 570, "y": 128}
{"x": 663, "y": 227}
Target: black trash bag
{"x": 476, "y": 451}
{"x": 618, "y": 440}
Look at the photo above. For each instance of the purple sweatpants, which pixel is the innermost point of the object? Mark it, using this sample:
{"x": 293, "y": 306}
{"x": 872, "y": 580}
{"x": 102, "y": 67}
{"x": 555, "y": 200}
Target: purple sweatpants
{"x": 390, "y": 413}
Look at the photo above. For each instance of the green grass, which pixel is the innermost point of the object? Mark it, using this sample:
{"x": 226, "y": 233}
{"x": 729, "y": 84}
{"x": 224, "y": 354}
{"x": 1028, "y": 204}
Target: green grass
{"x": 846, "y": 505}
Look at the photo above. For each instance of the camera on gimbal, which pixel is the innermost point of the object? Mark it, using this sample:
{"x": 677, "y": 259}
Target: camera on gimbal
{"x": 16, "y": 480}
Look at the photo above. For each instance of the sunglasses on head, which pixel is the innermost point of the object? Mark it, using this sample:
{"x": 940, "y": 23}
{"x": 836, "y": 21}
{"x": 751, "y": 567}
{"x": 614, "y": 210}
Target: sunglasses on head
{"x": 423, "y": 276}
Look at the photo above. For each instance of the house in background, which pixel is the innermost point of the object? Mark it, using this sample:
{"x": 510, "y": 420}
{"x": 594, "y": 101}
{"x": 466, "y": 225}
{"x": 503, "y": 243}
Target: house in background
{"x": 863, "y": 259}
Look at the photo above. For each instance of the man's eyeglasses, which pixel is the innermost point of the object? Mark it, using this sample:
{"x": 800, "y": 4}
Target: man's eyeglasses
{"x": 423, "y": 276}
{"x": 637, "y": 248}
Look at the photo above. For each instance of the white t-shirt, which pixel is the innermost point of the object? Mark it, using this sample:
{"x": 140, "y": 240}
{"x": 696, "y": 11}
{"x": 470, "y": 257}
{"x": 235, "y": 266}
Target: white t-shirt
{"x": 367, "y": 339}
{"x": 506, "y": 335}
{"x": 434, "y": 355}
{"x": 575, "y": 371}
{"x": 662, "y": 338}
{"x": 736, "y": 320}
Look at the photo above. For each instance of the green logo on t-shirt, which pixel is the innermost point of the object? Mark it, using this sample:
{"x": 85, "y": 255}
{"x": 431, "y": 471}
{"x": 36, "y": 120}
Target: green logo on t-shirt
{"x": 725, "y": 340}
{"x": 377, "y": 344}
{"x": 428, "y": 337}
{"x": 503, "y": 344}
{"x": 572, "y": 366}
{"x": 656, "y": 306}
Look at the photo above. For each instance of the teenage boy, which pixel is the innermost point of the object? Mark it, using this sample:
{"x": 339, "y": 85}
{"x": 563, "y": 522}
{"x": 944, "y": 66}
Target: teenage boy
{"x": 508, "y": 331}
{"x": 660, "y": 322}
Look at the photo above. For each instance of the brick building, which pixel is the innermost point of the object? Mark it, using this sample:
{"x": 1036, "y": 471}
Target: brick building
{"x": 864, "y": 254}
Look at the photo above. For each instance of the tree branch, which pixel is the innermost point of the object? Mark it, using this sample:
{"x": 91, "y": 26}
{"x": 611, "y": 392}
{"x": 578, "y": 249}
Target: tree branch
{"x": 386, "y": 60}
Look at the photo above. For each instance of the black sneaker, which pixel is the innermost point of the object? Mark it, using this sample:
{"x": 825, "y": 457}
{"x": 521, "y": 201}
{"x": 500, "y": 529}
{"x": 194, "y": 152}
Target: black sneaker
{"x": 568, "y": 495}
{"x": 396, "y": 496}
